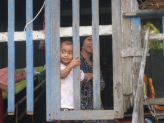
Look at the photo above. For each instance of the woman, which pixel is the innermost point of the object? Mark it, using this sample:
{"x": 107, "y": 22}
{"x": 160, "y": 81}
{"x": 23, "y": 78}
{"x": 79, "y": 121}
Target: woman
{"x": 20, "y": 76}
{"x": 87, "y": 88}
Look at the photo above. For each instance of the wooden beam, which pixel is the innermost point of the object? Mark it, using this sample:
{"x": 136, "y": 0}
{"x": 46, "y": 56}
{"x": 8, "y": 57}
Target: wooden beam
{"x": 156, "y": 37}
{"x": 76, "y": 49}
{"x": 64, "y": 32}
{"x": 29, "y": 58}
{"x": 140, "y": 80}
{"x": 117, "y": 59}
{"x": 48, "y": 57}
{"x": 96, "y": 55}
{"x": 11, "y": 57}
{"x": 135, "y": 52}
{"x": 158, "y": 101}
{"x": 145, "y": 14}
{"x": 55, "y": 60}
{"x": 126, "y": 62}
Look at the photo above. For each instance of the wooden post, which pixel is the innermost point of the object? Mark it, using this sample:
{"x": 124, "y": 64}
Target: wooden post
{"x": 29, "y": 58}
{"x": 11, "y": 57}
{"x": 126, "y": 62}
{"x": 1, "y": 107}
{"x": 117, "y": 59}
{"x": 140, "y": 80}
{"x": 136, "y": 43}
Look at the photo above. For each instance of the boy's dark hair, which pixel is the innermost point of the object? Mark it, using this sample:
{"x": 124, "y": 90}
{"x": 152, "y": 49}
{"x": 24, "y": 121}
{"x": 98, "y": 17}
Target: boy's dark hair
{"x": 68, "y": 41}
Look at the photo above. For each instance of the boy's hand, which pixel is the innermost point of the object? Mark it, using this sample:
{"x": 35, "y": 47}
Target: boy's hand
{"x": 75, "y": 62}
{"x": 88, "y": 76}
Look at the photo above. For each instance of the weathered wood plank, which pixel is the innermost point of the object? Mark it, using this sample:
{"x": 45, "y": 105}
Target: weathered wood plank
{"x": 126, "y": 62}
{"x": 135, "y": 52}
{"x": 55, "y": 60}
{"x": 157, "y": 101}
{"x": 29, "y": 58}
{"x": 117, "y": 59}
{"x": 11, "y": 57}
{"x": 64, "y": 32}
{"x": 48, "y": 57}
{"x": 156, "y": 37}
{"x": 76, "y": 52}
{"x": 96, "y": 55}
{"x": 86, "y": 115}
{"x": 67, "y": 32}
{"x": 140, "y": 80}
{"x": 136, "y": 43}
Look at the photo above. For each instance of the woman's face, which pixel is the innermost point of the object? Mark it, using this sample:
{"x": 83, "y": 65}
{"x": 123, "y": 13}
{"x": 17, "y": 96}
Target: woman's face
{"x": 20, "y": 76}
{"x": 87, "y": 45}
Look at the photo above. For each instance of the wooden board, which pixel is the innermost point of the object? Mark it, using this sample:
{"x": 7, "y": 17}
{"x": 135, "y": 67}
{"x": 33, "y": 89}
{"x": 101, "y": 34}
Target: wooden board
{"x": 126, "y": 62}
{"x": 117, "y": 59}
{"x": 64, "y": 32}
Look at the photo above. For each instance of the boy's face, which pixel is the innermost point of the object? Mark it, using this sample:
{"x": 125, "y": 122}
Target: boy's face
{"x": 66, "y": 54}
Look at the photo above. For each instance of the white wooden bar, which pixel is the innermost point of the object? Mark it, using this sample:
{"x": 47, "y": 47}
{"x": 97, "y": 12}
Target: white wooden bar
{"x": 64, "y": 32}
{"x": 67, "y": 32}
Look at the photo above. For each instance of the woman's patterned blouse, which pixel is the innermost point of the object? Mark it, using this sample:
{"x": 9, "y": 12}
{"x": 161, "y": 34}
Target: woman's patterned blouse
{"x": 87, "y": 91}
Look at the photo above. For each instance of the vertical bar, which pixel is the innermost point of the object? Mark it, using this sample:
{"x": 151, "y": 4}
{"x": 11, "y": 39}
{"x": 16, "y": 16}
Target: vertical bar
{"x": 55, "y": 60}
{"x": 96, "y": 54}
{"x": 1, "y": 107}
{"x": 11, "y": 57}
{"x": 48, "y": 60}
{"x": 117, "y": 59}
{"x": 76, "y": 52}
{"x": 163, "y": 32}
{"x": 29, "y": 57}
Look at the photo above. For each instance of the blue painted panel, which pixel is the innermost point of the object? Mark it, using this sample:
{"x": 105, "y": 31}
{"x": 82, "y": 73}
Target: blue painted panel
{"x": 55, "y": 59}
{"x": 76, "y": 52}
{"x": 48, "y": 60}
{"x": 96, "y": 54}
{"x": 11, "y": 57}
{"x": 29, "y": 57}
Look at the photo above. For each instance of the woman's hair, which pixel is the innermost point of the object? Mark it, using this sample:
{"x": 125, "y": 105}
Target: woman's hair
{"x": 68, "y": 41}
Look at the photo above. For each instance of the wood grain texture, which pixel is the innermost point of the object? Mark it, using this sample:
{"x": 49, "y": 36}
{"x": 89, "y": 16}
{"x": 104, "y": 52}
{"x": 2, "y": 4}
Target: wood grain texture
{"x": 64, "y": 32}
{"x": 86, "y": 115}
{"x": 132, "y": 52}
{"x": 126, "y": 62}
{"x": 76, "y": 52}
{"x": 157, "y": 101}
{"x": 96, "y": 55}
{"x": 137, "y": 109}
{"x": 117, "y": 59}
{"x": 55, "y": 60}
{"x": 48, "y": 57}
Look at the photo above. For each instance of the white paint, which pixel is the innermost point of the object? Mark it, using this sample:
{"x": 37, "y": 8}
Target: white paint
{"x": 64, "y": 32}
